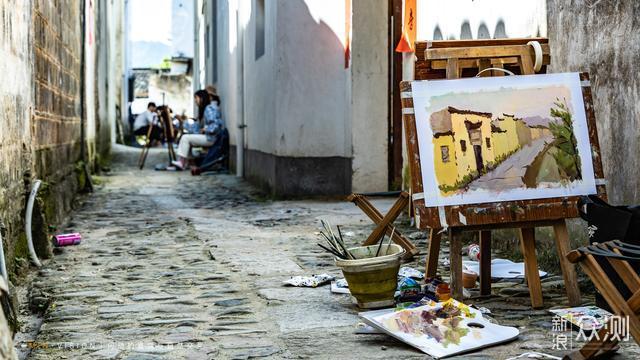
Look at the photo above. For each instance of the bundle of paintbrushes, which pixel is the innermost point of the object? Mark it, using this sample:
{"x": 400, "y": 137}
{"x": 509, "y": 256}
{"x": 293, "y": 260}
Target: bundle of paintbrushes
{"x": 336, "y": 243}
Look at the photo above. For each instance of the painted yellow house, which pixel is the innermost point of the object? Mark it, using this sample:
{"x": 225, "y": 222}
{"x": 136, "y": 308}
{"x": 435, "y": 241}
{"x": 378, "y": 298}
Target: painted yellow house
{"x": 462, "y": 143}
{"x": 468, "y": 142}
{"x": 539, "y": 131}
{"x": 509, "y": 140}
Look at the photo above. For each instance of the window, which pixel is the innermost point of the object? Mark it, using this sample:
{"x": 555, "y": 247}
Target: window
{"x": 463, "y": 145}
{"x": 260, "y": 19}
{"x": 444, "y": 152}
{"x": 213, "y": 42}
{"x": 488, "y": 143}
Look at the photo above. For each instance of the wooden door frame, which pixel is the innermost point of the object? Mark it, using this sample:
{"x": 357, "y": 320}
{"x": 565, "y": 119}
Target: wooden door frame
{"x": 395, "y": 106}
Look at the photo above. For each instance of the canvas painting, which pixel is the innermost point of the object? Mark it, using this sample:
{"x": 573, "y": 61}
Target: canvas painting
{"x": 502, "y": 138}
{"x": 440, "y": 329}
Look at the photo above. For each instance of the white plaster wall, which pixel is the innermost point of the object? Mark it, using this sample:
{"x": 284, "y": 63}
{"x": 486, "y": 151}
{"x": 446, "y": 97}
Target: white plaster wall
{"x": 227, "y": 56}
{"x": 260, "y": 87}
{"x": 89, "y": 79}
{"x": 115, "y": 16}
{"x": 369, "y": 95}
{"x": 311, "y": 80}
{"x": 485, "y": 18}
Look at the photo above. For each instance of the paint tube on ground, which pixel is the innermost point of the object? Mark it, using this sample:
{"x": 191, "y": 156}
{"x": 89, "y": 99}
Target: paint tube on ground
{"x": 67, "y": 239}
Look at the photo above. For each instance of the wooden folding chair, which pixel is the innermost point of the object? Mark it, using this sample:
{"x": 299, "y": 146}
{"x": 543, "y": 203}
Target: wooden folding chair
{"x": 384, "y": 224}
{"x": 618, "y": 255}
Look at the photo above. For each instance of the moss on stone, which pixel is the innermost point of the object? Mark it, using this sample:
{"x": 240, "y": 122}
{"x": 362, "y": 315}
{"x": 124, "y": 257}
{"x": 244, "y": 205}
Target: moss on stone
{"x": 81, "y": 177}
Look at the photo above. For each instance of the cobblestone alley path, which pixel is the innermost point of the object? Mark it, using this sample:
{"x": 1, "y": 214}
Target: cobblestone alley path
{"x": 179, "y": 267}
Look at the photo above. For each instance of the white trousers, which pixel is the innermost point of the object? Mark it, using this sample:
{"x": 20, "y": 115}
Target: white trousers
{"x": 189, "y": 140}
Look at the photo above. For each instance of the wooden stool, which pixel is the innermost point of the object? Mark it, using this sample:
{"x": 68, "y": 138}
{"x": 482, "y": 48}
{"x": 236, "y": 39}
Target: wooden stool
{"x": 618, "y": 254}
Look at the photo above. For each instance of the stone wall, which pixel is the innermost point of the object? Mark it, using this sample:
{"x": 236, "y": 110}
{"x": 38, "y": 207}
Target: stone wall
{"x": 16, "y": 111}
{"x": 603, "y": 37}
{"x": 40, "y": 118}
{"x": 56, "y": 117}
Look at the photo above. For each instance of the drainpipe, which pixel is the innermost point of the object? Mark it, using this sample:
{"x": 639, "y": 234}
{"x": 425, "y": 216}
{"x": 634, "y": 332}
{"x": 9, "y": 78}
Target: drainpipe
{"x": 3, "y": 266}
{"x": 27, "y": 223}
{"x": 241, "y": 121}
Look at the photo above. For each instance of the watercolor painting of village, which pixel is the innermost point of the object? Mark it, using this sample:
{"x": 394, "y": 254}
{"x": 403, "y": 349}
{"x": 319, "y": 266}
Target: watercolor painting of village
{"x": 502, "y": 138}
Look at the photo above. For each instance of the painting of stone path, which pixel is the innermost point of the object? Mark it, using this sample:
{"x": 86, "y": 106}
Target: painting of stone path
{"x": 502, "y": 138}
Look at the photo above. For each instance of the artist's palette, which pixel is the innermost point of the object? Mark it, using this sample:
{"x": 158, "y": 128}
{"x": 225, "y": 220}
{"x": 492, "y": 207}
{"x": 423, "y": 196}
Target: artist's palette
{"x": 440, "y": 329}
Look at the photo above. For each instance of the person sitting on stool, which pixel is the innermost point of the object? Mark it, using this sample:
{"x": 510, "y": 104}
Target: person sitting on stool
{"x": 147, "y": 119}
{"x": 213, "y": 125}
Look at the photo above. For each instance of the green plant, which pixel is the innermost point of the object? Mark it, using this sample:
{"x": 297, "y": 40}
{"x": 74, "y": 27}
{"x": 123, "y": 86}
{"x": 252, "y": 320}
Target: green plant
{"x": 566, "y": 156}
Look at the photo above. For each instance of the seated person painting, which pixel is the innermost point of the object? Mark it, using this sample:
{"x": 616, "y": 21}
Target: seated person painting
{"x": 146, "y": 123}
{"x": 212, "y": 127}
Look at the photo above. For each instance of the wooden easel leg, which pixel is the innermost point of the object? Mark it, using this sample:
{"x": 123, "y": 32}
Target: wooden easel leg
{"x": 568, "y": 269}
{"x": 528, "y": 245}
{"x": 389, "y": 218}
{"x": 145, "y": 149}
{"x": 433, "y": 253}
{"x": 365, "y": 205}
{"x": 485, "y": 262}
{"x": 453, "y": 71}
{"x": 455, "y": 259}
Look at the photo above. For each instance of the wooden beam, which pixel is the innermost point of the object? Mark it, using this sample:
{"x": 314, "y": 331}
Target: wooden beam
{"x": 433, "y": 253}
{"x": 455, "y": 262}
{"x": 527, "y": 243}
{"x": 568, "y": 269}
{"x": 481, "y": 52}
{"x": 485, "y": 262}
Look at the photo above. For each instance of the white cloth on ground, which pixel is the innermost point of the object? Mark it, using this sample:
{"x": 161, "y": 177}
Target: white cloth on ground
{"x": 189, "y": 140}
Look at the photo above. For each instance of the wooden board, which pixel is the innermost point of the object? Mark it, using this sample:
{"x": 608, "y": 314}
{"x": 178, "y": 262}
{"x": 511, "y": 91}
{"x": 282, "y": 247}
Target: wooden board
{"x": 506, "y": 51}
{"x": 511, "y": 212}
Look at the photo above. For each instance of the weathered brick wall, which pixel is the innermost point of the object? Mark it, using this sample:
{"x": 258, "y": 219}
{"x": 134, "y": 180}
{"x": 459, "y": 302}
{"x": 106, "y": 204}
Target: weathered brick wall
{"x": 15, "y": 112}
{"x": 56, "y": 119}
{"x": 40, "y": 116}
{"x": 603, "y": 37}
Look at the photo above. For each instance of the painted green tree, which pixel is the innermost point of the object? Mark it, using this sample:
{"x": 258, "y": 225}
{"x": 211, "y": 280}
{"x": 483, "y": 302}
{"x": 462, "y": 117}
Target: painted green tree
{"x": 565, "y": 144}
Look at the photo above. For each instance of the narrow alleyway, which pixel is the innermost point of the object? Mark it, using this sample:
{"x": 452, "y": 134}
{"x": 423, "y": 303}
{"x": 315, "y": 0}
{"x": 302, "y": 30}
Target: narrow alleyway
{"x": 179, "y": 267}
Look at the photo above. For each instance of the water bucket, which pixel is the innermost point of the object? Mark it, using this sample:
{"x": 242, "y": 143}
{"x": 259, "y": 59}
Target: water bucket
{"x": 372, "y": 280}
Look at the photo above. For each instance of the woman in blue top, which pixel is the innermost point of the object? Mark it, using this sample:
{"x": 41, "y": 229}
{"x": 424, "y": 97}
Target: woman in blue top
{"x": 212, "y": 125}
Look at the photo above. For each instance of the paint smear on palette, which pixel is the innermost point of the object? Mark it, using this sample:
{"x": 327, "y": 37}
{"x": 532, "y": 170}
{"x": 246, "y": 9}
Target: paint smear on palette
{"x": 440, "y": 329}
{"x": 442, "y": 323}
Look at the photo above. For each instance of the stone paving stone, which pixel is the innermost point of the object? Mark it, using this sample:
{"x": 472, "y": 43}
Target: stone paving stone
{"x": 179, "y": 267}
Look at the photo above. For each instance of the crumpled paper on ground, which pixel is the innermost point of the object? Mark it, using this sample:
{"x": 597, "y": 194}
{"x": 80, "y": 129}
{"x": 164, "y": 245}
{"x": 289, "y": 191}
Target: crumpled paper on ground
{"x": 410, "y": 272}
{"x": 309, "y": 281}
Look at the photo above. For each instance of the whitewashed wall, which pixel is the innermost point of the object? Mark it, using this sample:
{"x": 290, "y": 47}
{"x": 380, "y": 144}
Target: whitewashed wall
{"x": 480, "y": 19}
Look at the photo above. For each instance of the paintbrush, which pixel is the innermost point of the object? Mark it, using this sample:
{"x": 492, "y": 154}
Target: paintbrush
{"x": 390, "y": 239}
{"x": 331, "y": 242}
{"x": 380, "y": 245}
{"x": 336, "y": 240}
{"x": 340, "y": 233}
{"x": 344, "y": 248}
{"x": 331, "y": 251}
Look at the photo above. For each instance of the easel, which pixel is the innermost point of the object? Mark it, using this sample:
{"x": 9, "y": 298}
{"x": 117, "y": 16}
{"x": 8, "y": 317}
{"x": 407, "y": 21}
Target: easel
{"x": 169, "y": 136}
{"x": 455, "y": 59}
{"x": 384, "y": 223}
